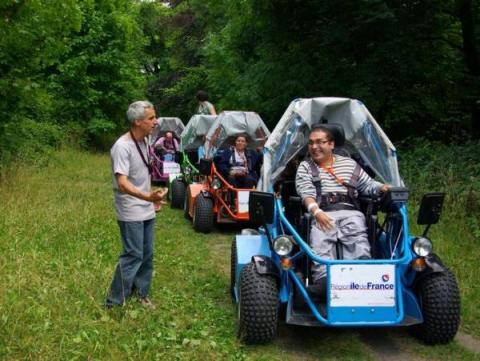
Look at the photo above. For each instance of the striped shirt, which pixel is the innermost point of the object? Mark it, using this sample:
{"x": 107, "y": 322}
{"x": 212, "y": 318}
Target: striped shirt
{"x": 343, "y": 168}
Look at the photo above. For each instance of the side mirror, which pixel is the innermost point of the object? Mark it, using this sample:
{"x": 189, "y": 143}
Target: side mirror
{"x": 205, "y": 166}
{"x": 430, "y": 208}
{"x": 261, "y": 207}
{"x": 179, "y": 157}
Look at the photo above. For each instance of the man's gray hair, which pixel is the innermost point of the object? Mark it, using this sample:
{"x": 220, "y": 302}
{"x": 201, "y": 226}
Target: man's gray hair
{"x": 136, "y": 110}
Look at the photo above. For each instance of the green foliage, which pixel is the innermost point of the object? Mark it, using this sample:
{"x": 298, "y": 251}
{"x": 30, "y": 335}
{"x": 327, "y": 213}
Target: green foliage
{"x": 68, "y": 61}
{"x": 29, "y": 141}
{"x": 101, "y": 72}
{"x": 173, "y": 60}
{"x": 455, "y": 170}
{"x": 405, "y": 60}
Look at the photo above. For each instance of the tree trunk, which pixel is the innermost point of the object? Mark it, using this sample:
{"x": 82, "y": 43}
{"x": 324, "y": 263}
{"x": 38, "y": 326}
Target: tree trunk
{"x": 465, "y": 14}
{"x": 464, "y": 9}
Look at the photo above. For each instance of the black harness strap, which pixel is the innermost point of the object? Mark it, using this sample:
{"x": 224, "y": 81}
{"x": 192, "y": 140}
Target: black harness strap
{"x": 317, "y": 182}
{"x": 329, "y": 200}
{"x": 141, "y": 153}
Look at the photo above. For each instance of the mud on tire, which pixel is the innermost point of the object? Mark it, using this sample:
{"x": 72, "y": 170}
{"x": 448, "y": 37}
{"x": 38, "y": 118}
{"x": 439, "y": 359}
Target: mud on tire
{"x": 178, "y": 194}
{"x": 258, "y": 306}
{"x": 439, "y": 299}
{"x": 203, "y": 214}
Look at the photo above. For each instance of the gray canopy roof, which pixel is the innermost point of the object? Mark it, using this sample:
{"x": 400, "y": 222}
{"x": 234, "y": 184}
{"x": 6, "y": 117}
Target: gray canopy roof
{"x": 193, "y": 136}
{"x": 167, "y": 124}
{"x": 231, "y": 123}
{"x": 363, "y": 135}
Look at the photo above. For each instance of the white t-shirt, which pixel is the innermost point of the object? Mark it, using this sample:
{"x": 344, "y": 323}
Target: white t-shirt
{"x": 204, "y": 108}
{"x": 239, "y": 161}
{"x": 127, "y": 161}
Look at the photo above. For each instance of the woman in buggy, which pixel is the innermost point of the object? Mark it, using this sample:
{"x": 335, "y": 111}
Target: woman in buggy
{"x": 238, "y": 164}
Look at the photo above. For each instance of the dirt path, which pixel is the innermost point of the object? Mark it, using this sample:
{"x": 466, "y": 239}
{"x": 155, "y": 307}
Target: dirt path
{"x": 469, "y": 342}
{"x": 386, "y": 345}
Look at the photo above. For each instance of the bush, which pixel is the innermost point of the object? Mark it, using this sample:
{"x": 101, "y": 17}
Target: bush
{"x": 454, "y": 169}
{"x": 28, "y": 140}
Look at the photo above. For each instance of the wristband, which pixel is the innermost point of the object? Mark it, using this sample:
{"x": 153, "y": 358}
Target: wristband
{"x": 317, "y": 212}
{"x": 311, "y": 205}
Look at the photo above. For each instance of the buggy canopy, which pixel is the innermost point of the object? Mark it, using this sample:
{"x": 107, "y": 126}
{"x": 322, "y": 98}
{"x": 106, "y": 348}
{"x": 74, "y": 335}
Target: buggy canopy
{"x": 231, "y": 123}
{"x": 166, "y": 124}
{"x": 193, "y": 136}
{"x": 363, "y": 136}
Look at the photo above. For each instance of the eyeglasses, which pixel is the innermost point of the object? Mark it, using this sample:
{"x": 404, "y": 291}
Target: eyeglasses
{"x": 317, "y": 142}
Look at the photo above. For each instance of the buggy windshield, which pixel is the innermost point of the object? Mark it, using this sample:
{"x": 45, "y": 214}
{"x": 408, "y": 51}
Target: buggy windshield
{"x": 166, "y": 124}
{"x": 363, "y": 136}
{"x": 231, "y": 123}
{"x": 193, "y": 136}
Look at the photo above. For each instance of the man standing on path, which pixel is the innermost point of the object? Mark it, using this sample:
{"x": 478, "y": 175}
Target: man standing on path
{"x": 134, "y": 207}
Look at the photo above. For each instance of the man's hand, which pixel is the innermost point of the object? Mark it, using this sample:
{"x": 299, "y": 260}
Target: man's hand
{"x": 157, "y": 195}
{"x": 324, "y": 222}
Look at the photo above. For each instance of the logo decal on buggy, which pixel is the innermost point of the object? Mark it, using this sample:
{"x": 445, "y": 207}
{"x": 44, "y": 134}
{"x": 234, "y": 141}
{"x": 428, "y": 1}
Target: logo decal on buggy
{"x": 358, "y": 285}
{"x": 243, "y": 197}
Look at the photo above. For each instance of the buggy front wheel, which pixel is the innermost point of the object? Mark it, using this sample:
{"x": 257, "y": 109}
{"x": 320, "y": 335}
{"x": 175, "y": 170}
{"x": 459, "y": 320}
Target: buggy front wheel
{"x": 439, "y": 299}
{"x": 203, "y": 214}
{"x": 258, "y": 306}
{"x": 233, "y": 267}
{"x": 186, "y": 205}
{"x": 177, "y": 194}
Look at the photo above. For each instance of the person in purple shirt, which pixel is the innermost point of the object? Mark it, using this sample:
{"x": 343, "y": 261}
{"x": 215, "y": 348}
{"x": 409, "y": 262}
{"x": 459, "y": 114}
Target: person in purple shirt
{"x": 167, "y": 145}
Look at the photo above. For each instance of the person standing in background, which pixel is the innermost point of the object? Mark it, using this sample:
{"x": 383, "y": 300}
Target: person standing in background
{"x": 204, "y": 106}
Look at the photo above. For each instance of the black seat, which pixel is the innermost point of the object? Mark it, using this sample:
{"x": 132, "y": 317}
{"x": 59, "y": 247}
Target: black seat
{"x": 218, "y": 156}
{"x": 192, "y": 155}
{"x": 292, "y": 203}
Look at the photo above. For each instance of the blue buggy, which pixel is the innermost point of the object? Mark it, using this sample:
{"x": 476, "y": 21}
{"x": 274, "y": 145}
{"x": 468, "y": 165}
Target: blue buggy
{"x": 404, "y": 284}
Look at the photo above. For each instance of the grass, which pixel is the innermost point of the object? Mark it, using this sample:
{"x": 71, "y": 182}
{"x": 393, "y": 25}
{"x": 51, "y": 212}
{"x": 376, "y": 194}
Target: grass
{"x": 454, "y": 170}
{"x": 59, "y": 243}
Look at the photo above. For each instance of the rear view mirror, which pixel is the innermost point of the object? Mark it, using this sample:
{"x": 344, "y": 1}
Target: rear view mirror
{"x": 261, "y": 207}
{"x": 430, "y": 208}
{"x": 205, "y": 166}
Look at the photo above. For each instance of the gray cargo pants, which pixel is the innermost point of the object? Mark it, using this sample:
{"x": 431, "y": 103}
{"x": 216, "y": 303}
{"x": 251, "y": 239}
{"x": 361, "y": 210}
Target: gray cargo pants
{"x": 350, "y": 230}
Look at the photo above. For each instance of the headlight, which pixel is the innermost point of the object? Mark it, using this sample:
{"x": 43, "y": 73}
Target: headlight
{"x": 282, "y": 245}
{"x": 188, "y": 170}
{"x": 216, "y": 183}
{"x": 422, "y": 246}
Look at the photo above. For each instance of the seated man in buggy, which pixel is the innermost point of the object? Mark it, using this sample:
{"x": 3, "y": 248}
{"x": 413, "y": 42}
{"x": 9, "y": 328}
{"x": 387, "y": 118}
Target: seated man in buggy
{"x": 239, "y": 165}
{"x": 167, "y": 146}
{"x": 329, "y": 185}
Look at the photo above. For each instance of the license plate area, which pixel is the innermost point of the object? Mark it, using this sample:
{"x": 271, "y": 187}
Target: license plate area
{"x": 362, "y": 293}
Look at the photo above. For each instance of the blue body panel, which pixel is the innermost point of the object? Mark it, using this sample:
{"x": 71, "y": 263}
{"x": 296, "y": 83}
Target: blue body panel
{"x": 348, "y": 316}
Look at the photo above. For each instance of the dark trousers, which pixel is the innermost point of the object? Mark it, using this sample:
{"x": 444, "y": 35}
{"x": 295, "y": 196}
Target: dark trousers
{"x": 135, "y": 265}
{"x": 242, "y": 182}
